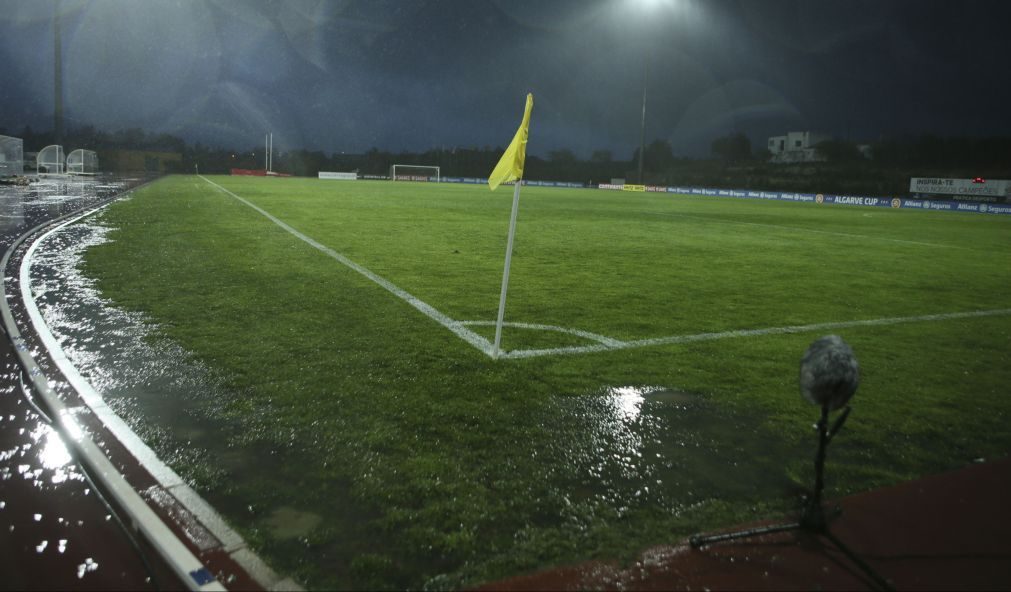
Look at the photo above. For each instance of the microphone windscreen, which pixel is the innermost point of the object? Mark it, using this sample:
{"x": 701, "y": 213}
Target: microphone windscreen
{"x": 829, "y": 372}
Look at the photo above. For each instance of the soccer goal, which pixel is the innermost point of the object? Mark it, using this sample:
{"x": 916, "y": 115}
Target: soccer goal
{"x": 12, "y": 158}
{"x": 82, "y": 162}
{"x": 414, "y": 172}
{"x": 50, "y": 160}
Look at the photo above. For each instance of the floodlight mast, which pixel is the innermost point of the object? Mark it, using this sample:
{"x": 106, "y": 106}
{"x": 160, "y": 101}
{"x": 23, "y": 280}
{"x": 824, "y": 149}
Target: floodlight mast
{"x": 644, "y": 6}
{"x": 268, "y": 152}
{"x": 642, "y": 127}
{"x": 58, "y": 75}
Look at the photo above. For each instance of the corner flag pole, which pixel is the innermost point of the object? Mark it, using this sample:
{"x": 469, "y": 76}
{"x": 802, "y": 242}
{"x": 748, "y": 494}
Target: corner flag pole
{"x": 505, "y": 272}
{"x": 510, "y": 168}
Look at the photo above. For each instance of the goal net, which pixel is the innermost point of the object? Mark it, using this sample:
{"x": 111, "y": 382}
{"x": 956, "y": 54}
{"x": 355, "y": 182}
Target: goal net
{"x": 50, "y": 160}
{"x": 82, "y": 162}
{"x": 414, "y": 172}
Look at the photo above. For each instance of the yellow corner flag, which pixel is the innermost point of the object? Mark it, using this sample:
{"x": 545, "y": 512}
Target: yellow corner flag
{"x": 510, "y": 167}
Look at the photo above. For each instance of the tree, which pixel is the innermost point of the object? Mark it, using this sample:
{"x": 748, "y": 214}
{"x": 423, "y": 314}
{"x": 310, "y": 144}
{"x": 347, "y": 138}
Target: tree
{"x": 659, "y": 156}
{"x": 601, "y": 156}
{"x": 838, "y": 151}
{"x": 562, "y": 156}
{"x": 732, "y": 148}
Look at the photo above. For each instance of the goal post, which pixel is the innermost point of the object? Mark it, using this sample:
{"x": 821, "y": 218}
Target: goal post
{"x": 12, "y": 157}
{"x": 414, "y": 172}
{"x": 50, "y": 160}
{"x": 82, "y": 162}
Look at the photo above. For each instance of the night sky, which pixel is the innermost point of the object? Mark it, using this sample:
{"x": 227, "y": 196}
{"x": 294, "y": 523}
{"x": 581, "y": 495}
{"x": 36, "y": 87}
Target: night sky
{"x": 349, "y": 75}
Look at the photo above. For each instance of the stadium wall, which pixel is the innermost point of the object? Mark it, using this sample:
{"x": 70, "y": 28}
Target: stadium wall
{"x": 818, "y": 198}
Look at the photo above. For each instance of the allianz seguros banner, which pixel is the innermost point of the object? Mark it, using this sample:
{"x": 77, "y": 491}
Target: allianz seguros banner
{"x": 824, "y": 198}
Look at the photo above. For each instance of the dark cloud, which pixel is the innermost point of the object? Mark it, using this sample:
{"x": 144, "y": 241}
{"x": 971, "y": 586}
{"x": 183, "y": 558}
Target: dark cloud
{"x": 410, "y": 75}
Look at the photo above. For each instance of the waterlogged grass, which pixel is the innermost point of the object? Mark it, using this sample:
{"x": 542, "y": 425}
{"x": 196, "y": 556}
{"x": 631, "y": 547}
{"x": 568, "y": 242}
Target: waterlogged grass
{"x": 411, "y": 459}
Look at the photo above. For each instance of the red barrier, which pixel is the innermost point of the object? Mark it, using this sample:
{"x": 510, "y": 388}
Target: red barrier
{"x": 249, "y": 173}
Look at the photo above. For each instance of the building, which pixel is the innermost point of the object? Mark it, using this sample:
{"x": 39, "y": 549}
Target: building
{"x": 796, "y": 147}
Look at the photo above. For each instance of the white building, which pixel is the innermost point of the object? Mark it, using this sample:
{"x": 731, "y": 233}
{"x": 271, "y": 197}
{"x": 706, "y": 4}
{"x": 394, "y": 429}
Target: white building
{"x": 796, "y": 147}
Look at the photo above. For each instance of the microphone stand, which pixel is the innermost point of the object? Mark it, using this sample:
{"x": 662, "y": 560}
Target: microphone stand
{"x": 812, "y": 517}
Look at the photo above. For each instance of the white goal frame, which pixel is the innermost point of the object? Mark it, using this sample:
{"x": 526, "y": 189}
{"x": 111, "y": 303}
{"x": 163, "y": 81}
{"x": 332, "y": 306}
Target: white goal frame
{"x": 52, "y": 160}
{"x": 82, "y": 162}
{"x": 393, "y": 171}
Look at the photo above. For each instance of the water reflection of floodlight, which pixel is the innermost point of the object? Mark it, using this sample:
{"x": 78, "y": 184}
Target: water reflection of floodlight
{"x": 829, "y": 376}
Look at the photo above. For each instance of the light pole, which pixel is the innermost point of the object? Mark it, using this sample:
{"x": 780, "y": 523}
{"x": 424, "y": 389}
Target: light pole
{"x": 646, "y": 9}
{"x": 58, "y": 76}
{"x": 642, "y": 127}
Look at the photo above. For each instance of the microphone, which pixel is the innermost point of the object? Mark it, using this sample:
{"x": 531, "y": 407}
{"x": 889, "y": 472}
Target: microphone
{"x": 829, "y": 373}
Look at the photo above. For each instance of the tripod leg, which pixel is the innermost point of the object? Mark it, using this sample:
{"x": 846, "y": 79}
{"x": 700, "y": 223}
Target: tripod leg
{"x": 819, "y": 460}
{"x": 697, "y": 541}
{"x": 867, "y": 569}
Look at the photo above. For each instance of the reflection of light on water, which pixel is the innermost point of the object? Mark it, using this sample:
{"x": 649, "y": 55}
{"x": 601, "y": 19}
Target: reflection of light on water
{"x": 627, "y": 400}
{"x": 619, "y": 430}
{"x": 54, "y": 453}
{"x": 89, "y": 565}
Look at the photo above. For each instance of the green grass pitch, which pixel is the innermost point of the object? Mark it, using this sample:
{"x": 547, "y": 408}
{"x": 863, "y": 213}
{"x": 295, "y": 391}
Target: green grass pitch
{"x": 651, "y": 389}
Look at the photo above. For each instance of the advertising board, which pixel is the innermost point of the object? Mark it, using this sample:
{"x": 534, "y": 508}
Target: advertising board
{"x": 339, "y": 176}
{"x": 998, "y": 188}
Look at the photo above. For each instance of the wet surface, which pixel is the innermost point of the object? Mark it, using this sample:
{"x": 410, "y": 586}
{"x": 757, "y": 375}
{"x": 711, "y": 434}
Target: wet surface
{"x": 152, "y": 384}
{"x": 944, "y": 532}
{"x": 289, "y": 523}
{"x": 56, "y": 532}
{"x": 615, "y": 452}
{"x": 646, "y": 445}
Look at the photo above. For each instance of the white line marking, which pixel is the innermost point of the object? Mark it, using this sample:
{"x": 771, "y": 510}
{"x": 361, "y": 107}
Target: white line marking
{"x": 802, "y": 229}
{"x": 138, "y": 511}
{"x": 456, "y": 327}
{"x": 601, "y": 339}
{"x": 677, "y": 339}
{"x": 605, "y": 343}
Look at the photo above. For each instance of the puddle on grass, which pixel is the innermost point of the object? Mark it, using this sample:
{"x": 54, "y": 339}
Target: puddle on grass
{"x": 639, "y": 445}
{"x": 178, "y": 407}
{"x": 288, "y": 523}
{"x": 154, "y": 386}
